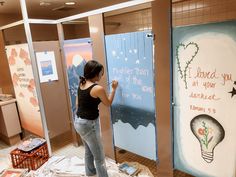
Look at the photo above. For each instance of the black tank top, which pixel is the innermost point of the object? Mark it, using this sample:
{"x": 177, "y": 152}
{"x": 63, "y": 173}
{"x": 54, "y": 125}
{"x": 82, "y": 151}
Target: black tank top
{"x": 87, "y": 105}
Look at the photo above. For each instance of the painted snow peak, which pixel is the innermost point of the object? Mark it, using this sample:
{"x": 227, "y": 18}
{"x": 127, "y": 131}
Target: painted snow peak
{"x": 190, "y": 50}
{"x": 134, "y": 116}
{"x": 209, "y": 133}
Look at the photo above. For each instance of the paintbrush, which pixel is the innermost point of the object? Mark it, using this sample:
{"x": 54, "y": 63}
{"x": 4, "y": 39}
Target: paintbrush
{"x": 109, "y": 83}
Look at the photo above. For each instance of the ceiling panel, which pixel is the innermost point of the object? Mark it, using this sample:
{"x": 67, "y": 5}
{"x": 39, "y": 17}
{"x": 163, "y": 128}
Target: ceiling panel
{"x": 54, "y": 9}
{"x": 10, "y": 7}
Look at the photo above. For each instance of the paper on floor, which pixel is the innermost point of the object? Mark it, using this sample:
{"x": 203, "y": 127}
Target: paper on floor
{"x": 61, "y": 166}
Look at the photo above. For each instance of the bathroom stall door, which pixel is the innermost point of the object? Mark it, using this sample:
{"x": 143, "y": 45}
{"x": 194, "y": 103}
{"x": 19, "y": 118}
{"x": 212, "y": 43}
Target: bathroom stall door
{"x": 77, "y": 53}
{"x": 204, "y": 81}
{"x": 25, "y": 90}
{"x": 130, "y": 61}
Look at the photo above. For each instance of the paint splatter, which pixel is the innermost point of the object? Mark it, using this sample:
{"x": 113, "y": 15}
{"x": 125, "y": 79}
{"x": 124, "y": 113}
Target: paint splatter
{"x": 34, "y": 101}
{"x": 31, "y": 85}
{"x": 23, "y": 54}
{"x": 21, "y": 95}
{"x": 12, "y": 60}
{"x": 15, "y": 79}
{"x": 27, "y": 61}
{"x": 13, "y": 53}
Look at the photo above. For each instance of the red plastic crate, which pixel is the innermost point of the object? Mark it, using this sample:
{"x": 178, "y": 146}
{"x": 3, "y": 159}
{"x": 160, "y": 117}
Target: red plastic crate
{"x": 31, "y": 160}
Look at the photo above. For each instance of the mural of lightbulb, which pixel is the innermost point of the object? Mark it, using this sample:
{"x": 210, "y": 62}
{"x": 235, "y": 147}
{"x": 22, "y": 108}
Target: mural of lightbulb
{"x": 209, "y": 133}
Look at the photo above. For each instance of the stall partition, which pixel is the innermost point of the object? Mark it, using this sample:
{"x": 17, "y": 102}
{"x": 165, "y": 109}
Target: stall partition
{"x": 52, "y": 84}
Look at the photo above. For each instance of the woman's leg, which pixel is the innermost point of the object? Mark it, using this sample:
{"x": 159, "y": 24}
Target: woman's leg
{"x": 89, "y": 132}
{"x": 93, "y": 140}
{"x": 84, "y": 127}
{"x": 89, "y": 161}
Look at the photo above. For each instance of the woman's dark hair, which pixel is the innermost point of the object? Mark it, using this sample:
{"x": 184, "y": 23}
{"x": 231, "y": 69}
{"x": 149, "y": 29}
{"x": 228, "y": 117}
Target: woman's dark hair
{"x": 91, "y": 69}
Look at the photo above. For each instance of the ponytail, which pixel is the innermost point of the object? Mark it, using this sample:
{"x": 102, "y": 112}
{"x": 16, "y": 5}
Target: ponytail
{"x": 82, "y": 80}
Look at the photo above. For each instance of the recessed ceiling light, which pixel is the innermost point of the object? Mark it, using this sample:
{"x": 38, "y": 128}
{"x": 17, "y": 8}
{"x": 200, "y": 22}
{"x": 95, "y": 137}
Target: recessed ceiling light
{"x": 2, "y": 3}
{"x": 70, "y": 3}
{"x": 42, "y": 3}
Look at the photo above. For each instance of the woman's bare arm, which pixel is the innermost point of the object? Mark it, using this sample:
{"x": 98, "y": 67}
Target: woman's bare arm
{"x": 100, "y": 92}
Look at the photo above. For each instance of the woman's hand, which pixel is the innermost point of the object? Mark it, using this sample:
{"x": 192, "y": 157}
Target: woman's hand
{"x": 114, "y": 84}
{"x": 99, "y": 91}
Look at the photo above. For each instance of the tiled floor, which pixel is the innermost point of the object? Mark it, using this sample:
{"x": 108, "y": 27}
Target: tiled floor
{"x": 181, "y": 174}
{"x": 123, "y": 155}
{"x": 5, "y": 160}
{"x": 66, "y": 148}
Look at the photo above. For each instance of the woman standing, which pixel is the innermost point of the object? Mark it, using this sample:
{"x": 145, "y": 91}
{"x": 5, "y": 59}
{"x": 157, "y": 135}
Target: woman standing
{"x": 86, "y": 123}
